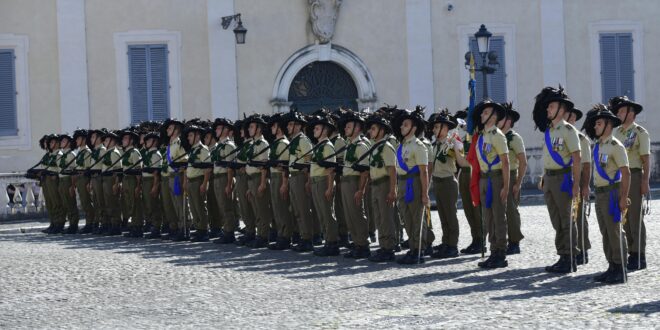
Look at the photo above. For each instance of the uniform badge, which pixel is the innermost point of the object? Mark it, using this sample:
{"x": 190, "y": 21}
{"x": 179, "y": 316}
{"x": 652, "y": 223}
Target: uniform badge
{"x": 488, "y": 148}
{"x": 630, "y": 139}
{"x": 603, "y": 159}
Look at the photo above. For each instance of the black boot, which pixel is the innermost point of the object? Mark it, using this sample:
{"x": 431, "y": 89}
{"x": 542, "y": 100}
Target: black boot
{"x": 405, "y": 245}
{"x": 169, "y": 235}
{"x": 57, "y": 229}
{"x": 295, "y": 238}
{"x": 281, "y": 244}
{"x": 215, "y": 233}
{"x": 382, "y": 255}
{"x": 582, "y": 258}
{"x": 47, "y": 230}
{"x": 513, "y": 248}
{"x": 636, "y": 262}
{"x": 317, "y": 240}
{"x": 616, "y": 276}
{"x": 474, "y": 248}
{"x": 601, "y": 277}
{"x": 445, "y": 251}
{"x": 344, "y": 241}
{"x": 485, "y": 263}
{"x": 303, "y": 246}
{"x": 272, "y": 235}
{"x": 227, "y": 238}
{"x": 135, "y": 233}
{"x": 328, "y": 250}
{"x": 200, "y": 236}
{"x": 258, "y": 243}
{"x": 411, "y": 258}
{"x": 88, "y": 229}
{"x": 243, "y": 240}
{"x": 372, "y": 237}
{"x": 358, "y": 252}
{"x": 564, "y": 266}
{"x": 100, "y": 230}
{"x": 155, "y": 233}
{"x": 498, "y": 261}
{"x": 179, "y": 236}
{"x": 113, "y": 231}
{"x": 71, "y": 230}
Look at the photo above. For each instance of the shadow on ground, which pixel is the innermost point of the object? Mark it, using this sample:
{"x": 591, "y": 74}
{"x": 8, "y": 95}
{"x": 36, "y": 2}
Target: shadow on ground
{"x": 526, "y": 283}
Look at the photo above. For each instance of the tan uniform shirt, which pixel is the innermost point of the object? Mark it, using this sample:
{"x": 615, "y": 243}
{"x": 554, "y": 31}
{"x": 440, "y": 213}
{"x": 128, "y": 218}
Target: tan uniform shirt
{"x": 221, "y": 152}
{"x": 413, "y": 152}
{"x": 338, "y": 142}
{"x": 98, "y": 153}
{"x": 46, "y": 160}
{"x": 279, "y": 152}
{"x": 152, "y": 159}
{"x": 564, "y": 140}
{"x": 175, "y": 151}
{"x": 444, "y": 159}
{"x": 611, "y": 157}
{"x": 164, "y": 172}
{"x": 111, "y": 160}
{"x": 83, "y": 158}
{"x": 199, "y": 154}
{"x": 131, "y": 159}
{"x": 382, "y": 157}
{"x": 242, "y": 155}
{"x": 299, "y": 146}
{"x": 585, "y": 149}
{"x": 356, "y": 148}
{"x": 65, "y": 161}
{"x": 494, "y": 144}
{"x": 516, "y": 147}
{"x": 258, "y": 153}
{"x": 322, "y": 152}
{"x": 637, "y": 142}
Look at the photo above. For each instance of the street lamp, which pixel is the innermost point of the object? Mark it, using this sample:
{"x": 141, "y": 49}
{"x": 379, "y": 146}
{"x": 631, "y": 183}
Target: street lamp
{"x": 486, "y": 68}
{"x": 239, "y": 31}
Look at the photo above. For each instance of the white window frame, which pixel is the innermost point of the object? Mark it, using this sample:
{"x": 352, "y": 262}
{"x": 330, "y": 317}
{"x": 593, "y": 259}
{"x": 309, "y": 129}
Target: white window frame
{"x": 147, "y": 37}
{"x": 508, "y": 31}
{"x": 20, "y": 45}
{"x": 637, "y": 30}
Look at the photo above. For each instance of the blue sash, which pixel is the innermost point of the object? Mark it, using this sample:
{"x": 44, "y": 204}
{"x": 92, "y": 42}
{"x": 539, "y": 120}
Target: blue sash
{"x": 567, "y": 184}
{"x": 489, "y": 187}
{"x": 614, "y": 209}
{"x": 177, "y": 183}
{"x": 410, "y": 194}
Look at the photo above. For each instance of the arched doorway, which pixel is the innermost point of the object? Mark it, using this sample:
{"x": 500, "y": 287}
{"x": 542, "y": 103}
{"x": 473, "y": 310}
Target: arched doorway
{"x": 323, "y": 74}
{"x": 322, "y": 84}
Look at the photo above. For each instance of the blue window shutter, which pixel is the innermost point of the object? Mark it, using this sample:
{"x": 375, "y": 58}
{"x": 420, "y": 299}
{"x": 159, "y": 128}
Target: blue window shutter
{"x": 8, "y": 122}
{"x": 149, "y": 84}
{"x": 626, "y": 67}
{"x": 137, "y": 68}
{"x": 616, "y": 65}
{"x": 496, "y": 81}
{"x": 159, "y": 82}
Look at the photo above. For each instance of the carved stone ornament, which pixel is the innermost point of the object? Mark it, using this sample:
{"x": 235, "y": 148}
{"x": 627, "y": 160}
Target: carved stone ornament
{"x": 323, "y": 16}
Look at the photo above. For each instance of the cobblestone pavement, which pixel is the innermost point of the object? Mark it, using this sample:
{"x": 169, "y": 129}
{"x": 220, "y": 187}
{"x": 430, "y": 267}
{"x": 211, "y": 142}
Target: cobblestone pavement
{"x": 110, "y": 282}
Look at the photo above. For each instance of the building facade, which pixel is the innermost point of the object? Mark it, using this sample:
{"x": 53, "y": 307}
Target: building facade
{"x": 93, "y": 63}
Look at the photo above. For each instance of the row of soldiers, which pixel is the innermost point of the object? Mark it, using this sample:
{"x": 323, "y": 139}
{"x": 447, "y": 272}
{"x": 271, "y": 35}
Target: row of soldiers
{"x": 336, "y": 178}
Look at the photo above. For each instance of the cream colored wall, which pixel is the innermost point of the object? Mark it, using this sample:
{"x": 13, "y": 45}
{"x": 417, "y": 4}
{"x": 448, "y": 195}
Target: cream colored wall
{"x": 38, "y": 21}
{"x": 578, "y": 53}
{"x": 280, "y": 27}
{"x": 105, "y": 18}
{"x": 524, "y": 14}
